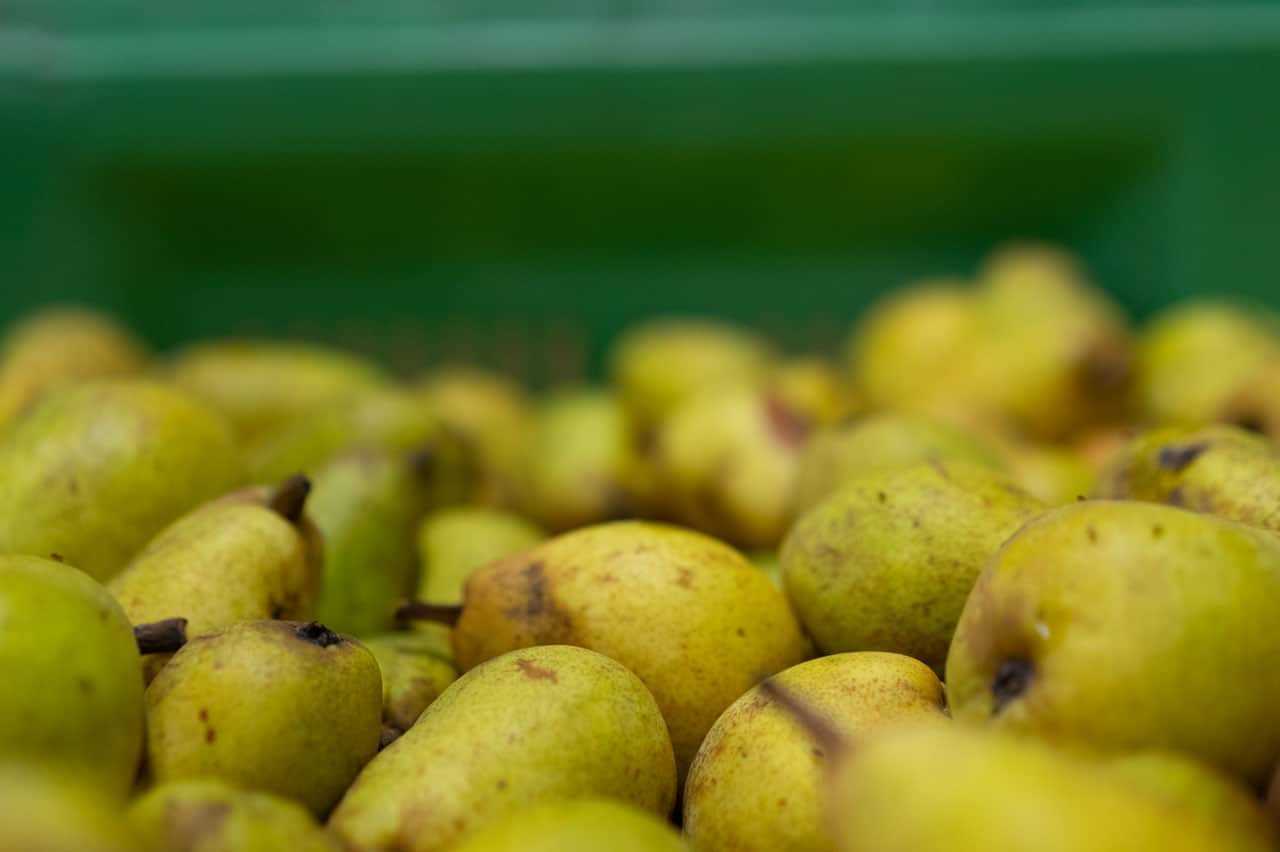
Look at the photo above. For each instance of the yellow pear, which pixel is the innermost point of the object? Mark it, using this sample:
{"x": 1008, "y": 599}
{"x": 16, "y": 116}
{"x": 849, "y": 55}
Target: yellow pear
{"x": 576, "y": 825}
{"x": 814, "y": 388}
{"x": 42, "y": 810}
{"x": 1255, "y": 405}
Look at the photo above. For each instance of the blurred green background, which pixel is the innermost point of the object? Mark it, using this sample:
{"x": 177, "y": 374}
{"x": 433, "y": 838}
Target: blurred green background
{"x": 494, "y": 182}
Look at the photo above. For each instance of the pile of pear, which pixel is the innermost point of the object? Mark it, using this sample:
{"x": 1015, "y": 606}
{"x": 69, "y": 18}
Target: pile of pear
{"x": 1003, "y": 576}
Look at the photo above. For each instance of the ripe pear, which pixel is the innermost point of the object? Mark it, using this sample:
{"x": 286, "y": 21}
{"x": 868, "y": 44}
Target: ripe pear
{"x": 250, "y": 555}
{"x": 1053, "y": 474}
{"x": 1195, "y": 356}
{"x": 72, "y": 673}
{"x": 367, "y": 504}
{"x": 645, "y": 594}
{"x": 43, "y": 810}
{"x": 1220, "y": 470}
{"x": 812, "y": 387}
{"x": 536, "y": 725}
{"x": 756, "y": 783}
{"x": 886, "y": 562}
{"x": 841, "y": 453}
{"x": 575, "y": 825}
{"x": 416, "y": 668}
{"x": 662, "y": 362}
{"x": 454, "y": 542}
{"x": 1124, "y": 625}
{"x": 260, "y": 384}
{"x": 213, "y": 816}
{"x": 275, "y": 706}
{"x": 1255, "y": 405}
{"x": 492, "y": 417}
{"x": 60, "y": 345}
{"x": 96, "y": 469}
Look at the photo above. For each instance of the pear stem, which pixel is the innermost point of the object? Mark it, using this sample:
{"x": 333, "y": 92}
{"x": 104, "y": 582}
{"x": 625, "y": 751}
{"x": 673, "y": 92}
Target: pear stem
{"x": 161, "y": 637}
{"x": 414, "y": 610}
{"x": 819, "y": 727}
{"x": 289, "y": 498}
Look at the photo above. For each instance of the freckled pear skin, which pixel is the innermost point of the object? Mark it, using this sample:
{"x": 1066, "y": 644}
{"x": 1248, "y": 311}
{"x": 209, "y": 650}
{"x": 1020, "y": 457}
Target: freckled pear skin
{"x": 1125, "y": 625}
{"x": 647, "y": 595}
{"x": 576, "y": 825}
{"x": 537, "y": 725}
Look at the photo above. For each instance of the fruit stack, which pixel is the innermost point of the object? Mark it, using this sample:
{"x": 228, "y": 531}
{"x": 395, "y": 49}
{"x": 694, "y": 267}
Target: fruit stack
{"x": 1006, "y": 578}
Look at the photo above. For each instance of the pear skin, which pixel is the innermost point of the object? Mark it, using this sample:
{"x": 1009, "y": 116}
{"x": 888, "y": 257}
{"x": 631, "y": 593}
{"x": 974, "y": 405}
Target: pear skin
{"x": 43, "y": 810}
{"x": 813, "y": 387}
{"x": 536, "y": 725}
{"x": 416, "y": 668}
{"x": 1255, "y": 406}
{"x": 576, "y": 825}
{"x": 454, "y": 542}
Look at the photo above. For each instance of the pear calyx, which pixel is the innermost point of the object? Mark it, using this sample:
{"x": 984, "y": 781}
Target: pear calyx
{"x": 161, "y": 637}
{"x": 415, "y": 610}
{"x": 1011, "y": 680}
{"x": 317, "y": 634}
{"x": 289, "y": 498}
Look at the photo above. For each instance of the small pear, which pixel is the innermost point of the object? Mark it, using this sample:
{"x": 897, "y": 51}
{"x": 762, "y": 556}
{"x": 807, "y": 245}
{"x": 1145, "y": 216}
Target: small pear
{"x": 416, "y": 668}
{"x": 814, "y": 388}
{"x": 252, "y": 554}
{"x": 274, "y": 706}
{"x": 1255, "y": 405}
{"x": 49, "y": 811}
{"x": 72, "y": 673}
{"x": 886, "y": 562}
{"x": 213, "y": 816}
{"x": 60, "y": 345}
{"x": 660, "y": 363}
{"x": 260, "y": 384}
{"x": 1220, "y": 470}
{"x": 96, "y": 469}
{"x": 537, "y": 725}
{"x": 1123, "y": 625}
{"x": 844, "y": 452}
{"x": 757, "y": 780}
{"x": 454, "y": 542}
{"x": 576, "y": 825}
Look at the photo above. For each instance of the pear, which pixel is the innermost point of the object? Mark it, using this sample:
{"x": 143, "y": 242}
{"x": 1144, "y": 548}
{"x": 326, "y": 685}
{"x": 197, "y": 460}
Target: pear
{"x": 770, "y": 563}
{"x": 454, "y": 542}
{"x": 1123, "y": 625}
{"x": 1255, "y": 405}
{"x": 728, "y": 460}
{"x": 72, "y": 673}
{"x": 886, "y": 562}
{"x": 212, "y": 816}
{"x": 1195, "y": 356}
{"x": 537, "y": 725}
{"x": 43, "y": 810}
{"x": 492, "y": 417}
{"x": 1220, "y": 470}
{"x": 367, "y": 505}
{"x": 575, "y": 825}
{"x": 814, "y": 388}
{"x": 844, "y": 452}
{"x": 645, "y": 594}
{"x": 274, "y": 706}
{"x": 259, "y": 385}
{"x": 1053, "y": 474}
{"x": 757, "y": 780}
{"x": 96, "y": 469}
{"x": 60, "y": 345}
{"x": 660, "y": 363}
{"x": 249, "y": 555}
{"x": 416, "y": 668}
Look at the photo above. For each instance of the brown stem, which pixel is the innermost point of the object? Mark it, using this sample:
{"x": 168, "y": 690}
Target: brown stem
{"x": 422, "y": 611}
{"x": 819, "y": 727}
{"x": 289, "y": 498}
{"x": 422, "y": 461}
{"x": 161, "y": 637}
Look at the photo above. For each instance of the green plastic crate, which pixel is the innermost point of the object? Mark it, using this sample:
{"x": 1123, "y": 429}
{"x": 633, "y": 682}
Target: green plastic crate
{"x": 457, "y": 179}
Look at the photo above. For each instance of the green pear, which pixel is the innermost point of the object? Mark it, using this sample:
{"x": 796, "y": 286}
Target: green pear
{"x": 367, "y": 505}
{"x": 42, "y": 810}
{"x": 1255, "y": 405}
{"x": 536, "y": 725}
{"x": 575, "y": 825}
{"x": 756, "y": 783}
{"x": 250, "y": 555}
{"x": 849, "y": 450}
{"x": 492, "y": 417}
{"x": 72, "y": 673}
{"x": 1195, "y": 356}
{"x": 728, "y": 460}
{"x": 770, "y": 563}
{"x": 886, "y": 562}
{"x": 645, "y": 594}
{"x": 260, "y": 384}
{"x": 60, "y": 345}
{"x": 416, "y": 668}
{"x": 454, "y": 542}
{"x": 1123, "y": 625}
{"x": 662, "y": 362}
{"x": 274, "y": 706}
{"x": 212, "y": 816}
{"x": 96, "y": 469}
{"x": 1220, "y": 470}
